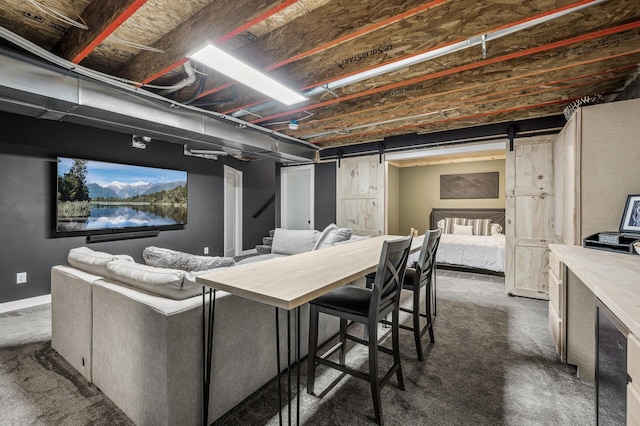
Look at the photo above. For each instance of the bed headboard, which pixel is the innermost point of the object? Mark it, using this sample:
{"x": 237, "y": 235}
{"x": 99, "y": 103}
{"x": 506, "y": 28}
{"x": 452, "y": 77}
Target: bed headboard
{"x": 496, "y": 215}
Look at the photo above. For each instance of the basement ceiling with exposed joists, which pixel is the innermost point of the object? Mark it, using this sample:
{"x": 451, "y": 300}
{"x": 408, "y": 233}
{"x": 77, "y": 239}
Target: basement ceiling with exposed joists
{"x": 448, "y": 64}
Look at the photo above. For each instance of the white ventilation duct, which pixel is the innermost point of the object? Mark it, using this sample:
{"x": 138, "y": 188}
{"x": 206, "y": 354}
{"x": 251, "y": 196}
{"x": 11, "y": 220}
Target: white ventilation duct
{"x": 75, "y": 94}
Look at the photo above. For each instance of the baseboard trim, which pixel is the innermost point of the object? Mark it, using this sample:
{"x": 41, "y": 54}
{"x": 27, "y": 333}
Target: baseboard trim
{"x": 25, "y": 303}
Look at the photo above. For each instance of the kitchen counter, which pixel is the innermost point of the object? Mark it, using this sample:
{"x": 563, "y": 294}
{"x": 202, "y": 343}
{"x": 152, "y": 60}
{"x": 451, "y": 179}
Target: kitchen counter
{"x": 614, "y": 278}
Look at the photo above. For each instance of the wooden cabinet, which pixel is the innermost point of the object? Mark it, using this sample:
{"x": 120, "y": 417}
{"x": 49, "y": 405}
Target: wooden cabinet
{"x": 633, "y": 388}
{"x": 595, "y": 167}
{"x": 557, "y": 305}
{"x": 529, "y": 214}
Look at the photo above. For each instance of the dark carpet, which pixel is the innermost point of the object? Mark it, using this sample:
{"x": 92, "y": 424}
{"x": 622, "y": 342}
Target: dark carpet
{"x": 493, "y": 363}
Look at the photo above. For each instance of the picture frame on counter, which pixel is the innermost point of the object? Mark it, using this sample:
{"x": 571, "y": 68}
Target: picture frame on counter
{"x": 630, "y": 222}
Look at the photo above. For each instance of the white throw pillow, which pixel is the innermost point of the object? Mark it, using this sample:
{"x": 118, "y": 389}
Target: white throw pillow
{"x": 463, "y": 229}
{"x": 496, "y": 228}
{"x": 440, "y": 224}
{"x": 293, "y": 241}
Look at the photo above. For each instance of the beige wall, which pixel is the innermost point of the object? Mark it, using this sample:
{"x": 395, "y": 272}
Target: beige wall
{"x": 420, "y": 191}
{"x": 393, "y": 200}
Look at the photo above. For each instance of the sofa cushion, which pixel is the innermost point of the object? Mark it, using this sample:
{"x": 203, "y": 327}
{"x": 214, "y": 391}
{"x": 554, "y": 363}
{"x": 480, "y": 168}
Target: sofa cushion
{"x": 93, "y": 262}
{"x": 331, "y": 235}
{"x": 169, "y": 283}
{"x": 166, "y": 258}
{"x": 293, "y": 241}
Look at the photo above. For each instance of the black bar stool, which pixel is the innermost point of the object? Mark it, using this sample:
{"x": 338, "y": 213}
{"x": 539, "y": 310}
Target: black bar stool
{"x": 366, "y": 306}
{"x": 414, "y": 279}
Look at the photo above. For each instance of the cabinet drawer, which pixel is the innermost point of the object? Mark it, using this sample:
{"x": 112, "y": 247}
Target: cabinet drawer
{"x": 633, "y": 360}
{"x": 633, "y": 406}
{"x": 554, "y": 265}
{"x": 555, "y": 293}
{"x": 557, "y": 331}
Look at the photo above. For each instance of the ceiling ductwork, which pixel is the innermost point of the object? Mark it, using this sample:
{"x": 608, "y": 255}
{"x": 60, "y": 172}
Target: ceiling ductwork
{"x": 45, "y": 91}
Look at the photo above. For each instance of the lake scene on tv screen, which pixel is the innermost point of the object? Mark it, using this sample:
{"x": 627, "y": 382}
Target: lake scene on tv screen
{"x": 94, "y": 195}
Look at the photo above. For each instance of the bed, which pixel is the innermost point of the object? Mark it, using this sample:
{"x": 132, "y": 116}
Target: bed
{"x": 481, "y": 253}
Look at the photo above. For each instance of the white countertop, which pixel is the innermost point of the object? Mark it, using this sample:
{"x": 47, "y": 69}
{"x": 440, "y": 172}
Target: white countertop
{"x": 614, "y": 278}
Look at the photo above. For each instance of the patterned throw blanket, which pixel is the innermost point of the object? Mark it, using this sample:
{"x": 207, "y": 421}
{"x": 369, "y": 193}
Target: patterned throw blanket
{"x": 166, "y": 258}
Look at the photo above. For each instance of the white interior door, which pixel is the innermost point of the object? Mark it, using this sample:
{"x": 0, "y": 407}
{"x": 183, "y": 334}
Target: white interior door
{"x": 232, "y": 211}
{"x": 297, "y": 188}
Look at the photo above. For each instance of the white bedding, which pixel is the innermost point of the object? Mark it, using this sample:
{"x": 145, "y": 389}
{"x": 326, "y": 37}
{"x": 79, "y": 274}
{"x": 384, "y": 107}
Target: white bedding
{"x": 475, "y": 251}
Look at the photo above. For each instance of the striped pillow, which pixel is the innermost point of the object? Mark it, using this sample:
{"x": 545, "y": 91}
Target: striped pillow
{"x": 480, "y": 226}
{"x": 450, "y": 221}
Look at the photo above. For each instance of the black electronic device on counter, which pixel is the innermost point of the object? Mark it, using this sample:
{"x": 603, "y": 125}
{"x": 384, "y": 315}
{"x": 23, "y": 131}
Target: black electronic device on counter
{"x": 628, "y": 233}
{"x": 612, "y": 241}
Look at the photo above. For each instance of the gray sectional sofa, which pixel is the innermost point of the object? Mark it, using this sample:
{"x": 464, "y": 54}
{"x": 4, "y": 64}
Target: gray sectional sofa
{"x": 142, "y": 348}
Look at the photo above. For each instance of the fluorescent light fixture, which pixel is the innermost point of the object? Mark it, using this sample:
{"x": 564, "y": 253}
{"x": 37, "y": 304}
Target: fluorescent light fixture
{"x": 226, "y": 64}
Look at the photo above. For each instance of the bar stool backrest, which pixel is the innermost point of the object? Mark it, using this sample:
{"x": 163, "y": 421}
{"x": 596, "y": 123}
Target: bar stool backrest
{"x": 427, "y": 258}
{"x": 389, "y": 276}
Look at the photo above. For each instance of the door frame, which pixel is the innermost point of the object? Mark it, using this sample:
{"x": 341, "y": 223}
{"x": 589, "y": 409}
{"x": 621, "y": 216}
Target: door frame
{"x": 284, "y": 182}
{"x": 237, "y": 209}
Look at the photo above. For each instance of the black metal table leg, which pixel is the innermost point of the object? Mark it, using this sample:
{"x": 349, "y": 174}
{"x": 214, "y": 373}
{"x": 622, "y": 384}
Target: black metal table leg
{"x": 207, "y": 350}
{"x": 289, "y": 365}
{"x": 298, "y": 363}
{"x": 278, "y": 363}
{"x": 297, "y": 358}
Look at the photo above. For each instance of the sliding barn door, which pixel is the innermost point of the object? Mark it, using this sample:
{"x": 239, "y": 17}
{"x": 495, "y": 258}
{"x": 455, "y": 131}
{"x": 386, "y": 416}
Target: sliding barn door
{"x": 360, "y": 203}
{"x": 529, "y": 214}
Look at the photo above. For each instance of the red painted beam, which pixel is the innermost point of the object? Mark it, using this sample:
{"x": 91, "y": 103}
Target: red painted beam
{"x": 348, "y": 37}
{"x": 226, "y": 37}
{"x": 381, "y": 115}
{"x": 479, "y": 64}
{"x": 106, "y": 32}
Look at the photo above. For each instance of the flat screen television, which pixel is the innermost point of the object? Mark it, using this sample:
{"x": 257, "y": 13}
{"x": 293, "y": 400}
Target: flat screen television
{"x": 96, "y": 197}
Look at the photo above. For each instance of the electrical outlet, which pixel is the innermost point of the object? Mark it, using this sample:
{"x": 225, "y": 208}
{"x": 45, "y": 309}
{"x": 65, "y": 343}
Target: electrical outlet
{"x": 206, "y": 250}
{"x": 21, "y": 277}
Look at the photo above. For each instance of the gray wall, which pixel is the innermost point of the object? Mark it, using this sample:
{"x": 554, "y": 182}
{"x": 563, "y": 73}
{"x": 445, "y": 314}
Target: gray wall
{"x": 325, "y": 196}
{"x": 28, "y": 151}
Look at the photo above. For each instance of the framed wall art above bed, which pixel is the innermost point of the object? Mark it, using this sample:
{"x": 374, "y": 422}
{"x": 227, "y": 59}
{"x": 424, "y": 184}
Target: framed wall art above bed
{"x": 470, "y": 186}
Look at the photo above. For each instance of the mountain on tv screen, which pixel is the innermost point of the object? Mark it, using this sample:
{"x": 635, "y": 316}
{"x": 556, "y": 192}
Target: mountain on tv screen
{"x": 95, "y": 196}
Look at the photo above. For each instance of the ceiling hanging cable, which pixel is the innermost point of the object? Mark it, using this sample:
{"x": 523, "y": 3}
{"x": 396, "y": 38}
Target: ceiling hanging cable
{"x": 57, "y": 15}
{"x": 199, "y": 90}
{"x": 116, "y": 39}
{"x": 204, "y": 102}
{"x": 309, "y": 114}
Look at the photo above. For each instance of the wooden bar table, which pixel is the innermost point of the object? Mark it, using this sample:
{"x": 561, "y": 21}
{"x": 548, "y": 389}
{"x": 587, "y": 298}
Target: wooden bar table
{"x": 287, "y": 283}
